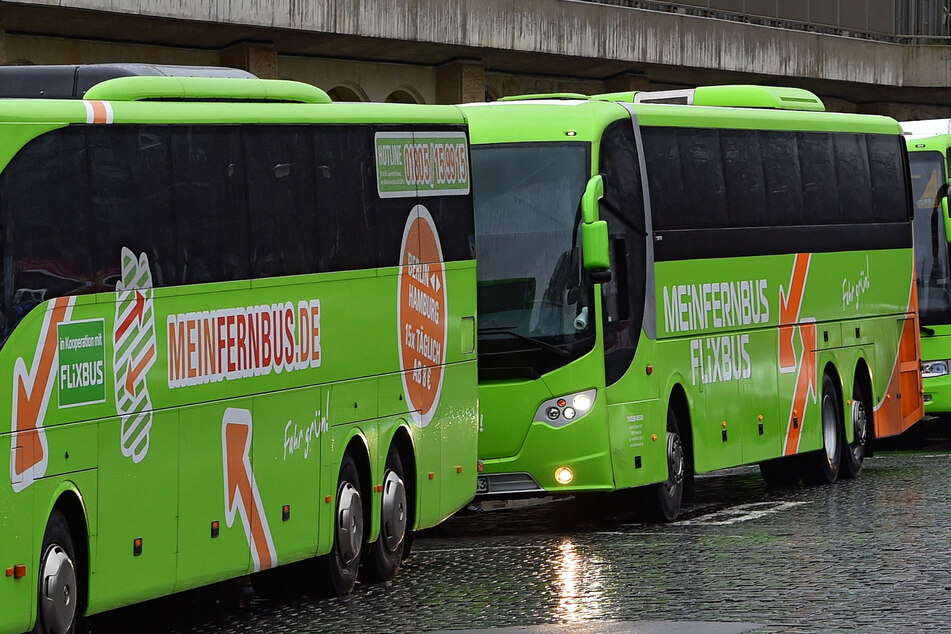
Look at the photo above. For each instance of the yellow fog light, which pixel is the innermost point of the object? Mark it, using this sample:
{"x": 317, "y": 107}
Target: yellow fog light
{"x": 563, "y": 475}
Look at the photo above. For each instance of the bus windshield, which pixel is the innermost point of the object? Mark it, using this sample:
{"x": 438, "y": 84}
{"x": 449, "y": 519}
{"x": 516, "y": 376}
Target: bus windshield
{"x": 533, "y": 295}
{"x": 931, "y": 244}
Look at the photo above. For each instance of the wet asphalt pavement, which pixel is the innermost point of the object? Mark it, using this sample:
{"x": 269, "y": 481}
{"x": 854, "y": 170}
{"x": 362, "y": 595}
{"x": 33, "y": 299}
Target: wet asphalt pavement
{"x": 871, "y": 554}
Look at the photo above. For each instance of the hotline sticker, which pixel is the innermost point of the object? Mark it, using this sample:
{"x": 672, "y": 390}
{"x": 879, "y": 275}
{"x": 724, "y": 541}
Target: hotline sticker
{"x": 422, "y": 315}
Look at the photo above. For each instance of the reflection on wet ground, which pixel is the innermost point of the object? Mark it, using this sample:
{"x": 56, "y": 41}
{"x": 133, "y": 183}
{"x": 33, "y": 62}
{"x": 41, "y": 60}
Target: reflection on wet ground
{"x": 870, "y": 554}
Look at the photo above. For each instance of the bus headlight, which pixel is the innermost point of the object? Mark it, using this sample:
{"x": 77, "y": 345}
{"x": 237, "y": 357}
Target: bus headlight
{"x": 581, "y": 403}
{"x": 562, "y": 410}
{"x": 931, "y": 369}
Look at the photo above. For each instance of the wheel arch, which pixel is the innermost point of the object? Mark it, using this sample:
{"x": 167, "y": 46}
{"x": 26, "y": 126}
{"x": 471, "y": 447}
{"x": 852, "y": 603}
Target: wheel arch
{"x": 862, "y": 375}
{"x": 832, "y": 370}
{"x": 680, "y": 401}
{"x": 358, "y": 448}
{"x": 403, "y": 440}
{"x": 69, "y": 501}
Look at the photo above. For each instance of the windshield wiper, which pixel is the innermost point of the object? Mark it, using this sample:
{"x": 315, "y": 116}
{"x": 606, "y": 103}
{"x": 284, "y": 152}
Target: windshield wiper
{"x": 926, "y": 331}
{"x": 510, "y": 331}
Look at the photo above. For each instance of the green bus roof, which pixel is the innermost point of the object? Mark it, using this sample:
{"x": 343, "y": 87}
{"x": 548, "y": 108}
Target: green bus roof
{"x": 936, "y": 143}
{"x": 554, "y": 120}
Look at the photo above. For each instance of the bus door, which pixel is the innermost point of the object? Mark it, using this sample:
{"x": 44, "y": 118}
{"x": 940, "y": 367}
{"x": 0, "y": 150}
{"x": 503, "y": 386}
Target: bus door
{"x": 763, "y": 427}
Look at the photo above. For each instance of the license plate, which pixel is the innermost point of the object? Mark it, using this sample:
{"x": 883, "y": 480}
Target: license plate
{"x": 483, "y": 485}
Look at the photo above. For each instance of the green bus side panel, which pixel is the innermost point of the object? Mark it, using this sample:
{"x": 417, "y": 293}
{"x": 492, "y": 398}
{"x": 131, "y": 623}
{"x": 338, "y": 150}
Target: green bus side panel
{"x": 143, "y": 506}
{"x": 202, "y": 558}
{"x": 732, "y": 366}
{"x": 17, "y": 596}
{"x": 168, "y": 489}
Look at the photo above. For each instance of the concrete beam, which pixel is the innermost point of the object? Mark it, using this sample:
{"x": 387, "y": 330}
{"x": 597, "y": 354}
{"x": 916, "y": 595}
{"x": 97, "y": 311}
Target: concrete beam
{"x": 565, "y": 37}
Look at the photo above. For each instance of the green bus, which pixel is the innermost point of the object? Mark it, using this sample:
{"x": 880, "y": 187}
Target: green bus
{"x": 238, "y": 332}
{"x": 675, "y": 282}
{"x": 928, "y": 143}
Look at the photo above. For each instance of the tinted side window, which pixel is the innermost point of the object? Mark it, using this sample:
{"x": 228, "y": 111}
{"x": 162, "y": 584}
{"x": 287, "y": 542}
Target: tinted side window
{"x": 43, "y": 256}
{"x": 704, "y": 194}
{"x": 888, "y": 167}
{"x": 623, "y": 209}
{"x": 820, "y": 195}
{"x": 853, "y": 178}
{"x": 784, "y": 187}
{"x": 282, "y": 200}
{"x": 129, "y": 197}
{"x": 665, "y": 178}
{"x": 744, "y": 177}
{"x": 348, "y": 201}
{"x": 209, "y": 199}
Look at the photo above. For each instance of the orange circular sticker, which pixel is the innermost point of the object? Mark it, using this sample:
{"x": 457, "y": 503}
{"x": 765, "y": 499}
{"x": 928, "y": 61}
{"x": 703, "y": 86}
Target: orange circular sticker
{"x": 422, "y": 314}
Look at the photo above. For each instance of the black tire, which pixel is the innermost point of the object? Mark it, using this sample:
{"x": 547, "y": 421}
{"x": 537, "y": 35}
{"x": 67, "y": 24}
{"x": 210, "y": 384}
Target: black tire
{"x": 386, "y": 553}
{"x": 853, "y": 457}
{"x": 781, "y": 473}
{"x": 664, "y": 498}
{"x": 408, "y": 544}
{"x": 822, "y": 467}
{"x": 58, "y": 591}
{"x": 339, "y": 567}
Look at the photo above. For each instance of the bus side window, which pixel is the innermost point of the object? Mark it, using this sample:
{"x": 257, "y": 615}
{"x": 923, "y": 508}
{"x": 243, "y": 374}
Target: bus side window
{"x": 282, "y": 200}
{"x": 210, "y": 204}
{"x": 622, "y": 299}
{"x": 44, "y": 257}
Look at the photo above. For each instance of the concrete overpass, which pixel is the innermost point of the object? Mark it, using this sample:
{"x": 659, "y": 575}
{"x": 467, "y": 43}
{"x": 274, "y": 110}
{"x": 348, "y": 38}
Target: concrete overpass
{"x": 463, "y": 50}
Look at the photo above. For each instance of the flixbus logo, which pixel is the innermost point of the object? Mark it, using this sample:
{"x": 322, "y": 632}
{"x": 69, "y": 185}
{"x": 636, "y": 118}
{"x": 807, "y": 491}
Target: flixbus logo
{"x": 236, "y": 343}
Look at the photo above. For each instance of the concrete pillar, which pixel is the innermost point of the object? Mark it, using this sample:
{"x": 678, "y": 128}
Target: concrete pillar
{"x": 460, "y": 81}
{"x": 258, "y": 58}
{"x": 626, "y": 82}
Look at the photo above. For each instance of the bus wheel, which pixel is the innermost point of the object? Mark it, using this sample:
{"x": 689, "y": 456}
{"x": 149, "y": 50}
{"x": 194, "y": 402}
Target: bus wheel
{"x": 387, "y": 552}
{"x": 343, "y": 561}
{"x": 58, "y": 590}
{"x": 665, "y": 505}
{"x": 854, "y": 455}
{"x": 780, "y": 473}
{"x": 822, "y": 467}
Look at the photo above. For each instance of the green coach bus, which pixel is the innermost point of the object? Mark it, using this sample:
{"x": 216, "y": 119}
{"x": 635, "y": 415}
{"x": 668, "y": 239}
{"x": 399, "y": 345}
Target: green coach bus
{"x": 676, "y": 282}
{"x": 238, "y": 331}
{"x": 928, "y": 143}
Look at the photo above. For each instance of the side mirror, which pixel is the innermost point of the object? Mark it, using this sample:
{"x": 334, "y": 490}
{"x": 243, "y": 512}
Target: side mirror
{"x": 594, "y": 232}
{"x": 593, "y": 192}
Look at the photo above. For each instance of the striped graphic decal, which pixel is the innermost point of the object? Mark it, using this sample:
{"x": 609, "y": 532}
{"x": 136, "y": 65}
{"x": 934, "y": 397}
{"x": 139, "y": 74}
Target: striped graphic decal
{"x": 98, "y": 111}
{"x": 32, "y": 388}
{"x": 134, "y": 353}
{"x": 790, "y": 304}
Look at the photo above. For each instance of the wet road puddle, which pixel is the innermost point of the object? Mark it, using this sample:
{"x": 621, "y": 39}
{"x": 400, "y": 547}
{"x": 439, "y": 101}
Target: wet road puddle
{"x": 740, "y": 513}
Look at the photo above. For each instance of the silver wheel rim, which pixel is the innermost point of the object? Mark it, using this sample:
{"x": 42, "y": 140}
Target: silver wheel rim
{"x": 394, "y": 511}
{"x": 57, "y": 590}
{"x": 830, "y": 436}
{"x": 349, "y": 523}
{"x": 675, "y": 462}
{"x": 860, "y": 429}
